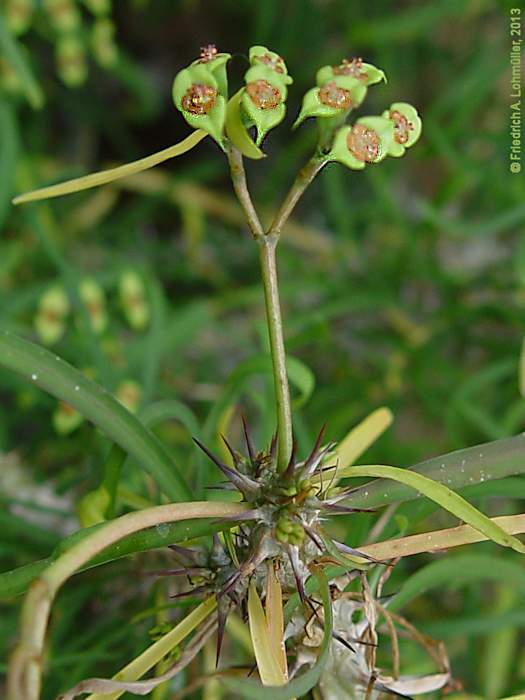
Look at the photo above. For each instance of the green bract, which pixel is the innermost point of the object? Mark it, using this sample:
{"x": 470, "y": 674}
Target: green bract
{"x": 196, "y": 94}
{"x": 215, "y": 63}
{"x": 334, "y": 98}
{"x": 262, "y": 56}
{"x": 366, "y": 73}
{"x": 368, "y": 141}
{"x": 407, "y": 127}
{"x": 263, "y": 99}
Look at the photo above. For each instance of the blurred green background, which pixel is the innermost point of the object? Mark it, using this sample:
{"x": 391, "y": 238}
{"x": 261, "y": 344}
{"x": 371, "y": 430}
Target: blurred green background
{"x": 403, "y": 285}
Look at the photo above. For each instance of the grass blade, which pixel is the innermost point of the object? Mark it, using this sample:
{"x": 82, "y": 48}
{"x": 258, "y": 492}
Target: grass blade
{"x": 62, "y": 381}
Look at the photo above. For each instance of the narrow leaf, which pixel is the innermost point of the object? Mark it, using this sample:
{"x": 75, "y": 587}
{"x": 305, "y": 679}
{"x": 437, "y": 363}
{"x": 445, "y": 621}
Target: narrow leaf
{"x": 359, "y": 439}
{"x": 11, "y": 50}
{"x": 275, "y": 617}
{"x": 304, "y": 682}
{"x": 105, "y": 176}
{"x": 442, "y": 495}
{"x": 61, "y": 380}
{"x": 269, "y": 668}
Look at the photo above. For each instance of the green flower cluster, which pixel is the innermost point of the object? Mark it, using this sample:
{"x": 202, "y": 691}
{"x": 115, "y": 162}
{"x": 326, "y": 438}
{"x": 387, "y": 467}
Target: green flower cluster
{"x": 200, "y": 92}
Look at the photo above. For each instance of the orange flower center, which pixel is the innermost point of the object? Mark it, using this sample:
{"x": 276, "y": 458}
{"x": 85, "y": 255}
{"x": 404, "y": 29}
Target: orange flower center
{"x": 402, "y": 127}
{"x": 333, "y": 96}
{"x": 363, "y": 143}
{"x": 353, "y": 68}
{"x": 199, "y": 99}
{"x": 263, "y": 95}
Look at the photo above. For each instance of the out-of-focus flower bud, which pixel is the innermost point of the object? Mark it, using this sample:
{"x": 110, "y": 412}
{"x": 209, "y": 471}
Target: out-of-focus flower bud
{"x": 103, "y": 43}
{"x": 133, "y": 299}
{"x": 71, "y": 61}
{"x": 51, "y": 315}
{"x": 92, "y": 507}
{"x": 260, "y": 55}
{"x": 18, "y": 14}
{"x": 263, "y": 100}
{"x": 64, "y": 15}
{"x": 196, "y": 94}
{"x": 9, "y": 79}
{"x": 407, "y": 127}
{"x": 94, "y": 299}
{"x": 99, "y": 8}
{"x": 368, "y": 141}
{"x": 334, "y": 98}
{"x": 129, "y": 394}
{"x": 366, "y": 73}
{"x": 66, "y": 419}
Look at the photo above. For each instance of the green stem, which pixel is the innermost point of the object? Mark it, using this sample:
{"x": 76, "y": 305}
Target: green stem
{"x": 275, "y": 332}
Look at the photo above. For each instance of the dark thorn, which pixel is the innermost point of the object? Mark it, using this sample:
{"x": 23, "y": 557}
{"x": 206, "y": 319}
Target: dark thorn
{"x": 251, "y": 670}
{"x": 383, "y": 689}
{"x": 249, "y": 444}
{"x": 335, "y": 509}
{"x": 343, "y": 641}
{"x": 354, "y": 552}
{"x": 311, "y": 534}
{"x": 234, "y": 454}
{"x": 189, "y": 571}
{"x": 243, "y": 483}
{"x": 193, "y": 591}
{"x": 230, "y": 583}
{"x": 223, "y": 608}
{"x": 289, "y": 472}
{"x": 315, "y": 449}
{"x": 292, "y": 556}
{"x": 191, "y": 554}
{"x": 273, "y": 447}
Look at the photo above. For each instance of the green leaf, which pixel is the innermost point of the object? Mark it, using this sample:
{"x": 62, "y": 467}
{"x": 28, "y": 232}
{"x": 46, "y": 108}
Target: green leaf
{"x": 10, "y": 49}
{"x": 304, "y": 682}
{"x": 62, "y": 381}
{"x": 105, "y": 176}
{"x": 237, "y": 132}
{"x": 442, "y": 495}
{"x": 472, "y": 465}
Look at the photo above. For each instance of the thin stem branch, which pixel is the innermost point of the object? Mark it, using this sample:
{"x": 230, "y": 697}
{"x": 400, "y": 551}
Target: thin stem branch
{"x": 238, "y": 176}
{"x": 303, "y": 179}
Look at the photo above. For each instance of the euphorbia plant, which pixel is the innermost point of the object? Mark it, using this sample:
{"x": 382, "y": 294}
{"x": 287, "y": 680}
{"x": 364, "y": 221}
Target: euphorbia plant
{"x": 275, "y": 544}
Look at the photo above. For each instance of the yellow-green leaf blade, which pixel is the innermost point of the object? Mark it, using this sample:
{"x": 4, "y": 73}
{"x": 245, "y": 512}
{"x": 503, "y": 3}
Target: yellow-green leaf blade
{"x": 442, "y": 495}
{"x": 105, "y": 176}
{"x": 267, "y": 664}
{"x": 275, "y": 617}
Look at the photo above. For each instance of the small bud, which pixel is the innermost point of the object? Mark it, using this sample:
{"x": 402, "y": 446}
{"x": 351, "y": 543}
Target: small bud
{"x": 103, "y": 43}
{"x": 196, "y": 95}
{"x": 92, "y": 507}
{"x": 260, "y": 55}
{"x": 368, "y": 141}
{"x": 63, "y": 15}
{"x": 18, "y": 14}
{"x": 133, "y": 299}
{"x": 407, "y": 127}
{"x": 9, "y": 78}
{"x": 94, "y": 299}
{"x": 334, "y": 98}
{"x": 353, "y": 68}
{"x": 71, "y": 61}
{"x": 52, "y": 312}
{"x": 263, "y": 99}
{"x": 129, "y": 393}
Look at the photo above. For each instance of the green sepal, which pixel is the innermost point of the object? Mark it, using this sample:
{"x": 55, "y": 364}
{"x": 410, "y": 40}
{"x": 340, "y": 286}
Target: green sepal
{"x": 217, "y": 68}
{"x": 313, "y": 107}
{"x": 263, "y": 119}
{"x": 407, "y": 110}
{"x": 257, "y": 52}
{"x": 236, "y": 130}
{"x": 374, "y": 75}
{"x": 213, "y": 122}
{"x": 340, "y": 152}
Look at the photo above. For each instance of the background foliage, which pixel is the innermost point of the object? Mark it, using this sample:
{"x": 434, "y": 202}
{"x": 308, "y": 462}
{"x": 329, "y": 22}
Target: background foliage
{"x": 402, "y": 286}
